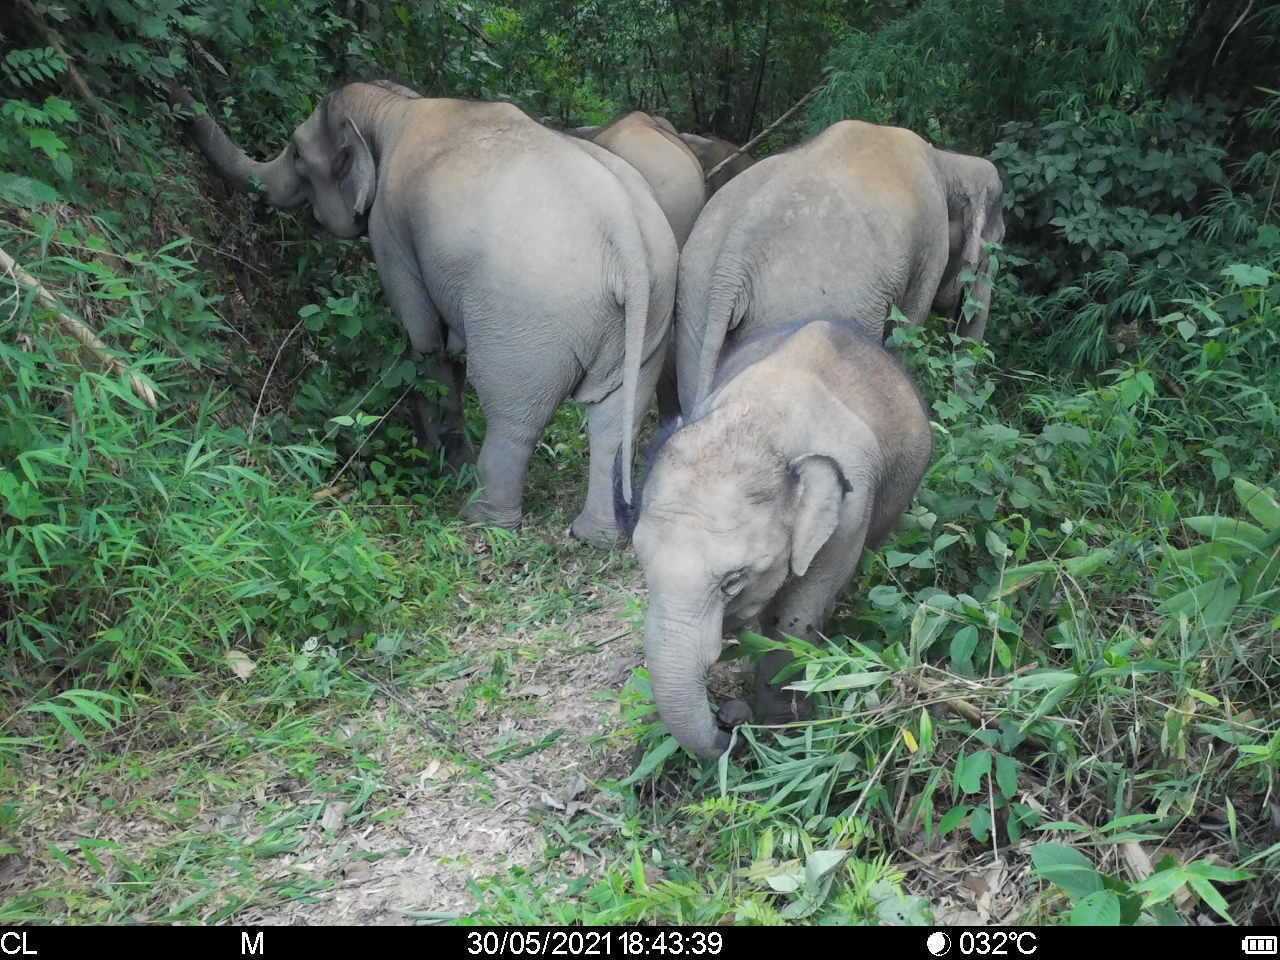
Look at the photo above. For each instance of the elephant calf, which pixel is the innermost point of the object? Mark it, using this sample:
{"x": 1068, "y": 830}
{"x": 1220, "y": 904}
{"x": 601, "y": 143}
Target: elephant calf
{"x": 757, "y": 507}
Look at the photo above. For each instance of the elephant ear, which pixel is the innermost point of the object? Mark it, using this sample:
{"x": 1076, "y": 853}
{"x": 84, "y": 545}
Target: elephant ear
{"x": 357, "y": 169}
{"x": 818, "y": 488}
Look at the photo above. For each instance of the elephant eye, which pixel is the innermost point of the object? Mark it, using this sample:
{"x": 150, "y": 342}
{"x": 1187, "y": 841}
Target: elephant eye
{"x": 733, "y": 583}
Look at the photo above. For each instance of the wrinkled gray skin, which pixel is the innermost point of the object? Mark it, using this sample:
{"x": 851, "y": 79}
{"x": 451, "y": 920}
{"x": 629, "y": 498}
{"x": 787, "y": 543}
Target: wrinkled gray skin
{"x": 757, "y": 509}
{"x": 711, "y": 152}
{"x": 857, "y": 220}
{"x": 545, "y": 257}
{"x": 651, "y": 145}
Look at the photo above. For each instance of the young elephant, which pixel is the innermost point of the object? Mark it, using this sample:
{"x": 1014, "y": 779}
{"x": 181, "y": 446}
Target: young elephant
{"x": 758, "y": 507}
{"x": 547, "y": 259}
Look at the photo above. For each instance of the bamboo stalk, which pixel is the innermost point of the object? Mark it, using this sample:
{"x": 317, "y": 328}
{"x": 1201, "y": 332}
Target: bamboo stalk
{"x": 75, "y": 327}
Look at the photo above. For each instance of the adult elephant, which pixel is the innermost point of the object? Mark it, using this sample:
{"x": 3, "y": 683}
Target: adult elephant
{"x": 857, "y": 220}
{"x": 711, "y": 152}
{"x": 546, "y": 258}
{"x": 651, "y": 145}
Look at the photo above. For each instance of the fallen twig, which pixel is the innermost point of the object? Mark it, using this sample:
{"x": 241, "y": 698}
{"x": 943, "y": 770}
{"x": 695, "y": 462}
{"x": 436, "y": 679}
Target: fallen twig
{"x": 765, "y": 132}
{"x": 337, "y": 476}
{"x": 75, "y": 327}
{"x": 253, "y": 424}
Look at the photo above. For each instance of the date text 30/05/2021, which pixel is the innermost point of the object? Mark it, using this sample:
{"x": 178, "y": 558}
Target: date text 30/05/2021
{"x": 595, "y": 943}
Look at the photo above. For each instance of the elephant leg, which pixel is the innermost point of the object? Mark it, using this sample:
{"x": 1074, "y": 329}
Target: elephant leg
{"x": 800, "y": 610}
{"x": 502, "y": 466}
{"x": 596, "y": 524}
{"x": 424, "y": 411}
{"x": 453, "y": 434}
{"x": 519, "y": 397}
{"x": 438, "y": 424}
{"x": 917, "y": 302}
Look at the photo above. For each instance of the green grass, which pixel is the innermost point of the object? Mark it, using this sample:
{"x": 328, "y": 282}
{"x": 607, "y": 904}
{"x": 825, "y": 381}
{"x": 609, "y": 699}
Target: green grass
{"x": 1041, "y": 665}
{"x": 255, "y": 666}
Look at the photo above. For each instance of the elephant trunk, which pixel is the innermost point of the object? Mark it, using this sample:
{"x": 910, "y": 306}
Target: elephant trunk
{"x": 282, "y": 183}
{"x": 680, "y": 651}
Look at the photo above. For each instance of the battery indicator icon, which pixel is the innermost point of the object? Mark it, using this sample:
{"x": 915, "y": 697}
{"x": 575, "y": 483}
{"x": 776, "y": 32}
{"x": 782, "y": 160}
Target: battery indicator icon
{"x": 1260, "y": 946}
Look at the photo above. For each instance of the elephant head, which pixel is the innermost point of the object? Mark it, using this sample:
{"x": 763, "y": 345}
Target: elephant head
{"x": 725, "y": 517}
{"x": 711, "y": 152}
{"x": 975, "y": 215}
{"x": 327, "y": 163}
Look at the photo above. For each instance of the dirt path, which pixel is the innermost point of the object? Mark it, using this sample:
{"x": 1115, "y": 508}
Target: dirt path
{"x": 457, "y": 826}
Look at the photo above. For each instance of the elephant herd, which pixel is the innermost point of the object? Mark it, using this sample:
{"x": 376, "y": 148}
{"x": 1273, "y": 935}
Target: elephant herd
{"x": 602, "y": 264}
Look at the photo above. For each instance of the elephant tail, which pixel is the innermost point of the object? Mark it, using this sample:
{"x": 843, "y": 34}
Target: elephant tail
{"x": 726, "y": 305}
{"x": 634, "y": 294}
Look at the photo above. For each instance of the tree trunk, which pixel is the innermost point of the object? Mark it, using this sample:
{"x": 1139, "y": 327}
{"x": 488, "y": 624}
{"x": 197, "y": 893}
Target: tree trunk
{"x": 694, "y": 101}
{"x": 760, "y": 67}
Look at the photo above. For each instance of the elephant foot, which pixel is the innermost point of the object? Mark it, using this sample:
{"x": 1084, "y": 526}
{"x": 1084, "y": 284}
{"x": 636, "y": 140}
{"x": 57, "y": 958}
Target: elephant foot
{"x": 479, "y": 511}
{"x": 594, "y": 531}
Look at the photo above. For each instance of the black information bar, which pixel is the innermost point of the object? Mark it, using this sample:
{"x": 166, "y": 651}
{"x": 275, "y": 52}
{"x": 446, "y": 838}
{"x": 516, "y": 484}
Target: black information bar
{"x": 369, "y": 942}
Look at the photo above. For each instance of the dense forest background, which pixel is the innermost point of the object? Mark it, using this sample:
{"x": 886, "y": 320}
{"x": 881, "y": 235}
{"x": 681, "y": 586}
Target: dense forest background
{"x": 239, "y": 619}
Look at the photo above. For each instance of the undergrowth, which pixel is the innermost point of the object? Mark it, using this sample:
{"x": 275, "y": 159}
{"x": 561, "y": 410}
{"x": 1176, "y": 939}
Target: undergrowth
{"x": 1050, "y": 697}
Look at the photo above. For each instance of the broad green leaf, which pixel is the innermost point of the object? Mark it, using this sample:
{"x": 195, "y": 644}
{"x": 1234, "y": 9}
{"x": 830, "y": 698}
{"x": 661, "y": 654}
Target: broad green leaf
{"x": 26, "y": 192}
{"x": 893, "y": 908}
{"x": 980, "y": 823}
{"x": 971, "y": 768}
{"x": 820, "y": 863}
{"x": 1210, "y": 896}
{"x": 1007, "y": 775}
{"x": 1210, "y": 871}
{"x": 1085, "y": 566}
{"x": 843, "y": 681}
{"x": 1261, "y": 504}
{"x": 1099, "y": 909}
{"x": 1044, "y": 680}
{"x": 995, "y": 546}
{"x": 788, "y": 882}
{"x": 47, "y": 141}
{"x": 652, "y": 760}
{"x": 884, "y": 597}
{"x": 1248, "y": 275}
{"x": 1161, "y": 886}
{"x": 1221, "y": 528}
{"x": 1068, "y": 868}
{"x": 1015, "y": 578}
{"x": 963, "y": 644}
{"x": 953, "y": 818}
